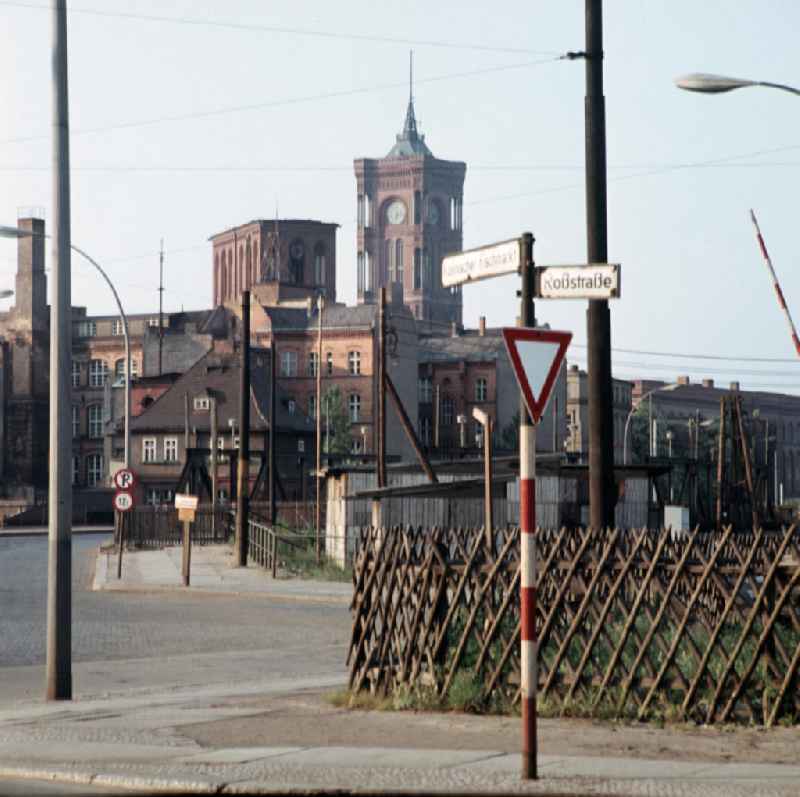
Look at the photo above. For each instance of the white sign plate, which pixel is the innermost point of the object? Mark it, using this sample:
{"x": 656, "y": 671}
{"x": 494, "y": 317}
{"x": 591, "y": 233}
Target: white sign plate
{"x": 123, "y": 502}
{"x": 592, "y": 281}
{"x": 482, "y": 263}
{"x": 124, "y": 479}
{"x": 185, "y": 501}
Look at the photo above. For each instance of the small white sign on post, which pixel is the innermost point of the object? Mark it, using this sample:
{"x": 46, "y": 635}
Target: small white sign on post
{"x": 123, "y": 502}
{"x": 186, "y": 501}
{"x": 481, "y": 263}
{"x": 593, "y": 281}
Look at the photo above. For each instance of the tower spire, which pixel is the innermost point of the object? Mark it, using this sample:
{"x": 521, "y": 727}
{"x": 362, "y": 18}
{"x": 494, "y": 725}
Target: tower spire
{"x": 411, "y": 77}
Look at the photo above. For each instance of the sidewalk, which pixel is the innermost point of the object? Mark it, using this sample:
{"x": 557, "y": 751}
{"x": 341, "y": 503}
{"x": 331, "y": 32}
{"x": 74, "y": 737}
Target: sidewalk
{"x": 270, "y": 734}
{"x": 211, "y": 571}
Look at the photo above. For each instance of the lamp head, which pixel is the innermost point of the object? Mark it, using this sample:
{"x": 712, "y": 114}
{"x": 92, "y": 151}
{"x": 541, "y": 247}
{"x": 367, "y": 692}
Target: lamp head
{"x": 711, "y": 84}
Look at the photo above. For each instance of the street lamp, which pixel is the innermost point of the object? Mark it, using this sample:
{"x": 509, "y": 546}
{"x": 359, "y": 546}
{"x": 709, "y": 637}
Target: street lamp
{"x": 17, "y": 232}
{"x": 649, "y": 394}
{"x": 718, "y": 84}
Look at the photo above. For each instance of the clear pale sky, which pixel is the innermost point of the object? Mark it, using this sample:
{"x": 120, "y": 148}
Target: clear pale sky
{"x": 182, "y": 129}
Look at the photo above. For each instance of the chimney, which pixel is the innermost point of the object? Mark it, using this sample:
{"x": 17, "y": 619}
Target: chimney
{"x": 684, "y": 380}
{"x": 30, "y": 289}
{"x": 482, "y": 325}
{"x": 708, "y": 383}
{"x": 735, "y": 386}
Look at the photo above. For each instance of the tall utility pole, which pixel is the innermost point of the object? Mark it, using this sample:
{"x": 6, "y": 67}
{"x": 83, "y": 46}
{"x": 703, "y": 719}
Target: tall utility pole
{"x": 318, "y": 518}
{"x": 601, "y": 419}
{"x": 160, "y": 307}
{"x": 59, "y": 500}
{"x": 381, "y": 448}
{"x": 273, "y": 377}
{"x": 243, "y": 471}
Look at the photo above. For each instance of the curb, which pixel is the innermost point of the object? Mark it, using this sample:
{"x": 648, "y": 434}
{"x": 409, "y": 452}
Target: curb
{"x": 172, "y": 786}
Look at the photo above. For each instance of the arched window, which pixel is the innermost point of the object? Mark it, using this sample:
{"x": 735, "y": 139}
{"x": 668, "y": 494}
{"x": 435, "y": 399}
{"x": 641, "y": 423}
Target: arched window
{"x": 98, "y": 373}
{"x": 448, "y": 411}
{"x": 398, "y": 261}
{"x": 95, "y": 415}
{"x": 319, "y": 263}
{"x": 354, "y": 404}
{"x": 94, "y": 469}
{"x": 388, "y": 262}
{"x": 119, "y": 369}
{"x": 248, "y": 265}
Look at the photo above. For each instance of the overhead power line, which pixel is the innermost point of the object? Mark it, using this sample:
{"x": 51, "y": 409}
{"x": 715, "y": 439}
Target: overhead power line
{"x": 254, "y": 27}
{"x": 259, "y": 106}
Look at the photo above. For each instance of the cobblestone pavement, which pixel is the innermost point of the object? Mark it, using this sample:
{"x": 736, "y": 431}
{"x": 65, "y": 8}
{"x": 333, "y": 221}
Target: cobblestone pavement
{"x": 128, "y": 641}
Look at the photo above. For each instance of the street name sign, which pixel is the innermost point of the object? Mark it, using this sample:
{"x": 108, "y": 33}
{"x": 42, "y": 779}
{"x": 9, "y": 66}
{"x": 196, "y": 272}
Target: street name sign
{"x": 123, "y": 502}
{"x": 481, "y": 263}
{"x": 124, "y": 479}
{"x": 592, "y": 281}
{"x": 536, "y": 355}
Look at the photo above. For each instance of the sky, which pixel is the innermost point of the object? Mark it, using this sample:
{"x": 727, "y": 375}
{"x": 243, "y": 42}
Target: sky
{"x": 188, "y": 118}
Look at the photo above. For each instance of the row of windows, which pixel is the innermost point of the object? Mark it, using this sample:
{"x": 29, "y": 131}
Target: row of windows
{"x": 394, "y": 266}
{"x": 288, "y": 360}
{"x": 88, "y": 329}
{"x": 425, "y": 390}
{"x": 169, "y": 449}
{"x": 98, "y": 371}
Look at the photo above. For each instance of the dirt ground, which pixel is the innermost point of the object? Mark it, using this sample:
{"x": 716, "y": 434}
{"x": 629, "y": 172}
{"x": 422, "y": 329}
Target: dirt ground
{"x": 308, "y": 719}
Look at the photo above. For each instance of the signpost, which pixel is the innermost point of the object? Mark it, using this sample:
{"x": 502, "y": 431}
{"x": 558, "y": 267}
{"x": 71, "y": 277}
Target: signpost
{"x": 124, "y": 481}
{"x": 536, "y": 356}
{"x": 187, "y": 507}
{"x": 481, "y": 263}
{"x": 592, "y": 281}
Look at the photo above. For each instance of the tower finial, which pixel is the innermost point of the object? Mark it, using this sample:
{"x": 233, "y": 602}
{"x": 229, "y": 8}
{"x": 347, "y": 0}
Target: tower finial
{"x": 411, "y": 76}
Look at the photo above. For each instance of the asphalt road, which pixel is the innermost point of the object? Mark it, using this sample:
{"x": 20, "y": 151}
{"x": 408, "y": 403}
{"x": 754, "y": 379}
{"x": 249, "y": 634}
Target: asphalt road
{"x": 123, "y": 642}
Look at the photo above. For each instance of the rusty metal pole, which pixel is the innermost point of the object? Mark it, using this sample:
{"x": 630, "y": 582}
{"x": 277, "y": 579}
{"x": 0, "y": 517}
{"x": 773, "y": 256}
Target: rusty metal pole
{"x": 720, "y": 460}
{"x": 186, "y": 558}
{"x": 318, "y": 469}
{"x": 213, "y": 444}
{"x": 243, "y": 470}
{"x": 272, "y": 398}
{"x": 598, "y": 317}
{"x": 382, "y": 389}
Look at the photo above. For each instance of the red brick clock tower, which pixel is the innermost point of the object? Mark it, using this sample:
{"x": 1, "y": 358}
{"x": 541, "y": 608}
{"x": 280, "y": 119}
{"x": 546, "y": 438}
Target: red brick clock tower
{"x": 409, "y": 218}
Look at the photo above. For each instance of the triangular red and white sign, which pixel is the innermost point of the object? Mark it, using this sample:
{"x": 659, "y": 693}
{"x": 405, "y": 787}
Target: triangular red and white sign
{"x": 536, "y": 355}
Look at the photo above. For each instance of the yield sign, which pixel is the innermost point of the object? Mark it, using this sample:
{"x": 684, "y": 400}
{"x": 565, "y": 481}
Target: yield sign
{"x": 536, "y": 355}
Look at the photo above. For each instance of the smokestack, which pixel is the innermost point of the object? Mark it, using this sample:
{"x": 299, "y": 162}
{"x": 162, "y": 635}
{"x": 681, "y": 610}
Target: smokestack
{"x": 482, "y": 325}
{"x": 708, "y": 383}
{"x": 684, "y": 380}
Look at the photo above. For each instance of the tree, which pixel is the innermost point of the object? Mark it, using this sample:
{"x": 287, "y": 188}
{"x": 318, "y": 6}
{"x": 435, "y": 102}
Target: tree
{"x": 509, "y": 437}
{"x": 335, "y": 423}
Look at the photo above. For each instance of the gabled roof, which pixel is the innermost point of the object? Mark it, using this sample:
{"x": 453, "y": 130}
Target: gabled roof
{"x": 217, "y": 374}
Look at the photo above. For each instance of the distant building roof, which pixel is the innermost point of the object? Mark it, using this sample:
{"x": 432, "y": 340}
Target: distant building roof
{"x": 472, "y": 348}
{"x": 333, "y": 316}
{"x": 217, "y": 374}
{"x": 280, "y": 222}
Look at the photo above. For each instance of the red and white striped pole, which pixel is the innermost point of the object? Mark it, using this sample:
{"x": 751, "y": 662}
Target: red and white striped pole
{"x": 776, "y": 284}
{"x": 527, "y": 523}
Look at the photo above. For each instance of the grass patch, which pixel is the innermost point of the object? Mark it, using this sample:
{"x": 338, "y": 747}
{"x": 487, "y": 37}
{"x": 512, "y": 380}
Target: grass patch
{"x": 297, "y": 558}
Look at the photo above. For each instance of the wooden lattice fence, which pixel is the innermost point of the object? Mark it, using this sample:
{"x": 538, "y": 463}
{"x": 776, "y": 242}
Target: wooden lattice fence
{"x": 639, "y": 624}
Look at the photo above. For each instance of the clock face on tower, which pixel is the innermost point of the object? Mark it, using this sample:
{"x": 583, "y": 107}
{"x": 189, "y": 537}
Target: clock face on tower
{"x": 396, "y": 212}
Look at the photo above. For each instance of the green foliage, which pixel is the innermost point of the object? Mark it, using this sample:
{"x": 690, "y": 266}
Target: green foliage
{"x": 509, "y": 436}
{"x": 335, "y": 423}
